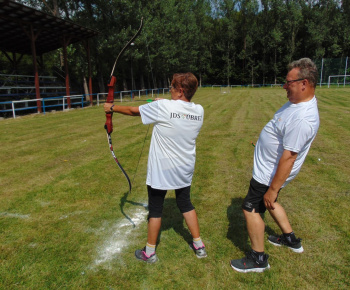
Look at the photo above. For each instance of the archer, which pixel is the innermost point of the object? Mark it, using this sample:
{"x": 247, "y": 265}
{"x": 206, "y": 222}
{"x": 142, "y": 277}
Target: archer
{"x": 171, "y": 158}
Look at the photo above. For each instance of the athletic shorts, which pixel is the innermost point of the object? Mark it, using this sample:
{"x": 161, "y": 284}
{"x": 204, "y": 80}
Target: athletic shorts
{"x": 255, "y": 197}
{"x": 156, "y": 200}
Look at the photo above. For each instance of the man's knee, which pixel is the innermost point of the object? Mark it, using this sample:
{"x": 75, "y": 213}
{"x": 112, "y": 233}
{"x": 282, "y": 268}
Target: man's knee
{"x": 250, "y": 214}
{"x": 246, "y": 212}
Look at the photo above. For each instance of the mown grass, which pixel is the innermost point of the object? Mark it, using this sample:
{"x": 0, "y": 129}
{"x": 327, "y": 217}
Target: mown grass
{"x": 62, "y": 197}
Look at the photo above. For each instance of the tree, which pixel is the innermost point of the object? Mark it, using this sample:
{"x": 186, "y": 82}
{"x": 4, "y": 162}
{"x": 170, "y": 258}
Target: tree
{"x": 221, "y": 41}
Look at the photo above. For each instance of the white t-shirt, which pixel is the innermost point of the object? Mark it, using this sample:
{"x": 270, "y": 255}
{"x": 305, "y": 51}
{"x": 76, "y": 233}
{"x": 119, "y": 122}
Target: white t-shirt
{"x": 293, "y": 128}
{"x": 172, "y": 153}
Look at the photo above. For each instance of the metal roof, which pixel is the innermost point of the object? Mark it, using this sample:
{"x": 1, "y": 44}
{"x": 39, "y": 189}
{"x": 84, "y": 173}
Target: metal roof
{"x": 16, "y": 21}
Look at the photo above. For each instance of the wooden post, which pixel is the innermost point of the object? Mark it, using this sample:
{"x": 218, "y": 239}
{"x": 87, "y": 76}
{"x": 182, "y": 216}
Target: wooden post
{"x": 65, "y": 44}
{"x": 33, "y": 38}
{"x": 90, "y": 73}
{"x": 87, "y": 48}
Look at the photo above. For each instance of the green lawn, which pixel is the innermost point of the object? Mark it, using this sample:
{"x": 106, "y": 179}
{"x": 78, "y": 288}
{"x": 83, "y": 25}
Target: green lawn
{"x": 68, "y": 222}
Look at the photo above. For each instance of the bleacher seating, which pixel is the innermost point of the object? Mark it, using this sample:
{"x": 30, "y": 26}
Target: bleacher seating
{"x": 25, "y": 85}
{"x": 22, "y": 87}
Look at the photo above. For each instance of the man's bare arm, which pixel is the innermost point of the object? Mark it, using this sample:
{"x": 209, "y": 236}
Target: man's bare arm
{"x": 284, "y": 168}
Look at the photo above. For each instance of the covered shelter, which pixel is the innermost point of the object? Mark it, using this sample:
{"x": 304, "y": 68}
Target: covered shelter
{"x": 24, "y": 30}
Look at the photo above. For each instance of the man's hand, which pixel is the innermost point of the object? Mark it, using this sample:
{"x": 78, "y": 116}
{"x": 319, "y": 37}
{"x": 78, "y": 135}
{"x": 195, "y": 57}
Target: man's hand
{"x": 270, "y": 198}
{"x": 284, "y": 168}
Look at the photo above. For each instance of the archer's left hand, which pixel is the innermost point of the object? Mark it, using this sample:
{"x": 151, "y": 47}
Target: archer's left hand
{"x": 107, "y": 107}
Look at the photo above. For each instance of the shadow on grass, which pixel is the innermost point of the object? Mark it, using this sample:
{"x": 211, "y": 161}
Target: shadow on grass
{"x": 270, "y": 231}
{"x": 173, "y": 218}
{"x": 124, "y": 200}
{"x": 237, "y": 231}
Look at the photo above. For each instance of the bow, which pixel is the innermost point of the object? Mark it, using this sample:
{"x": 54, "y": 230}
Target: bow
{"x": 110, "y": 99}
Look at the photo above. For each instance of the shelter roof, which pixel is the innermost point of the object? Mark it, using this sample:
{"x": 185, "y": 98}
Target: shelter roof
{"x": 17, "y": 21}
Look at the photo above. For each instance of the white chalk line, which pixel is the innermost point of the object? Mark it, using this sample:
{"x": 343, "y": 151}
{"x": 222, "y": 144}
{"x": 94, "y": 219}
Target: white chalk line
{"x": 113, "y": 244}
{"x": 118, "y": 240}
{"x": 14, "y": 215}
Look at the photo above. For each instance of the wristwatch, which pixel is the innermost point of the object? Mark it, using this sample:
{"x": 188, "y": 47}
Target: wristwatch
{"x": 111, "y": 108}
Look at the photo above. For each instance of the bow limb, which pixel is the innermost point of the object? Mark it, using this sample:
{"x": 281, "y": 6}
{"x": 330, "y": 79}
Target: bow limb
{"x": 110, "y": 99}
{"x": 127, "y": 45}
{"x": 109, "y": 138}
{"x": 113, "y": 81}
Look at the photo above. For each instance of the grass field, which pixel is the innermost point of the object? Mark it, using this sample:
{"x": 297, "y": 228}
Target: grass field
{"x": 67, "y": 222}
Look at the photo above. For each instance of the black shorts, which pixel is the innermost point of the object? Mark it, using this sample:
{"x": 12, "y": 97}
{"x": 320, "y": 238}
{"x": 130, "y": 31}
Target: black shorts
{"x": 255, "y": 197}
{"x": 156, "y": 200}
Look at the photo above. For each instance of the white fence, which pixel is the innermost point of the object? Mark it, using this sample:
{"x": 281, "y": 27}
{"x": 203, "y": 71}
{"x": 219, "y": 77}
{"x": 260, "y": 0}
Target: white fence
{"x": 61, "y": 103}
{"x": 246, "y": 86}
{"x": 47, "y": 103}
{"x": 131, "y": 95}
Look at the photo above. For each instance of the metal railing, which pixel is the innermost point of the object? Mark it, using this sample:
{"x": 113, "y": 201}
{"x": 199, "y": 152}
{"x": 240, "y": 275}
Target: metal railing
{"x": 61, "y": 102}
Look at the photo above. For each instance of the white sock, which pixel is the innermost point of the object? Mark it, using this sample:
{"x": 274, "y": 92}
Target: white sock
{"x": 198, "y": 242}
{"x": 150, "y": 249}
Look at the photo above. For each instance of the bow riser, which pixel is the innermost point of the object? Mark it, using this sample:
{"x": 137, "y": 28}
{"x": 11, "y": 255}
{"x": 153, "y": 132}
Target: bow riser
{"x": 110, "y": 99}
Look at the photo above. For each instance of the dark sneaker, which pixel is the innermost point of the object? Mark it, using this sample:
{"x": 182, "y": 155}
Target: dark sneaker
{"x": 282, "y": 241}
{"x": 200, "y": 252}
{"x": 142, "y": 256}
{"x": 250, "y": 264}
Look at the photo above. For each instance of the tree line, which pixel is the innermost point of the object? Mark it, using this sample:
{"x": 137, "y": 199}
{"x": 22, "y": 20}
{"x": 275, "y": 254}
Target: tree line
{"x": 230, "y": 42}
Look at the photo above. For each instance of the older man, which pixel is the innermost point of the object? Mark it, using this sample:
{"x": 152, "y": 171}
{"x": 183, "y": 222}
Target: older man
{"x": 279, "y": 154}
